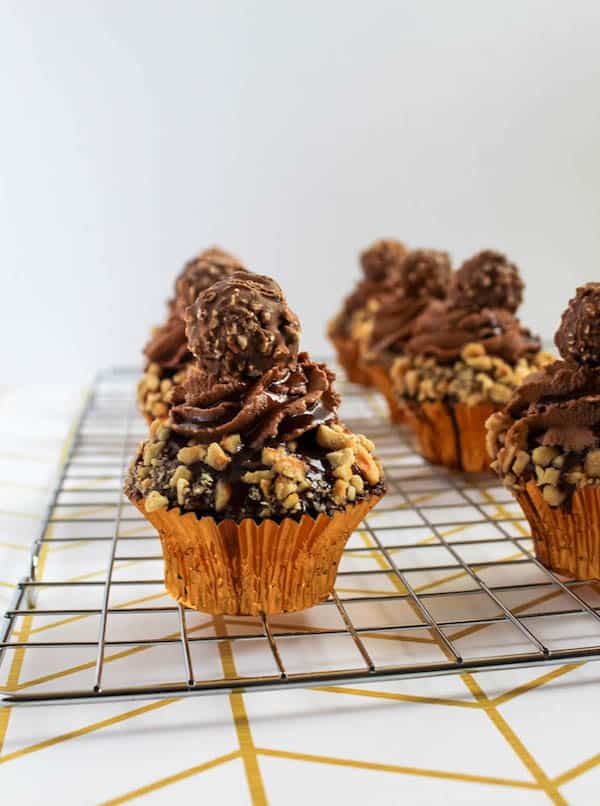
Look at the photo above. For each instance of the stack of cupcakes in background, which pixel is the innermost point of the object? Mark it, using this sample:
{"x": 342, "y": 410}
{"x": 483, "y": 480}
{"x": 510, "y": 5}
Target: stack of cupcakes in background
{"x": 252, "y": 482}
{"x": 166, "y": 352}
{"x": 387, "y": 325}
{"x": 465, "y": 357}
{"x": 545, "y": 444}
{"x": 380, "y": 264}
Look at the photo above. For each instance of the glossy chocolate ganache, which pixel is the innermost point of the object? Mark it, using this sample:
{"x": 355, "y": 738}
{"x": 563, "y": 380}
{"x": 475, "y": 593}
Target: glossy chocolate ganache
{"x": 253, "y": 430}
{"x": 549, "y": 431}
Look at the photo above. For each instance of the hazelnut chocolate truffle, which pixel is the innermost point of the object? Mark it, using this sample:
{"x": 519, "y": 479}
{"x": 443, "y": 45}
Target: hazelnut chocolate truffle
{"x": 464, "y": 358}
{"x": 545, "y": 444}
{"x": 167, "y": 354}
{"x": 380, "y": 264}
{"x": 253, "y": 482}
{"x": 385, "y": 329}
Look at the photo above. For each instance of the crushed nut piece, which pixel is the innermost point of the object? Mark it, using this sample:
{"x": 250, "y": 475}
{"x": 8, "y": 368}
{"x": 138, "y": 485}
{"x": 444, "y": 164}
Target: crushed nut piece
{"x": 191, "y": 454}
{"x": 216, "y": 457}
{"x": 222, "y": 495}
{"x": 292, "y": 502}
{"x": 154, "y": 501}
{"x": 543, "y": 455}
{"x": 183, "y": 486}
{"x": 331, "y": 439}
{"x": 181, "y": 472}
{"x": 256, "y": 476}
{"x": 231, "y": 443}
{"x": 592, "y": 463}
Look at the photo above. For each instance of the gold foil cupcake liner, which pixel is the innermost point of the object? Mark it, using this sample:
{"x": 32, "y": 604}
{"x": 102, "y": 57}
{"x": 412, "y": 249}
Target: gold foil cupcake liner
{"x": 348, "y": 355}
{"x": 249, "y": 568}
{"x": 566, "y": 540}
{"x": 380, "y": 379}
{"x": 452, "y": 434}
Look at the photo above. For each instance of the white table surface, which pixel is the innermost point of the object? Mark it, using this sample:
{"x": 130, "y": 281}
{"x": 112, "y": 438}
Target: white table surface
{"x": 527, "y": 736}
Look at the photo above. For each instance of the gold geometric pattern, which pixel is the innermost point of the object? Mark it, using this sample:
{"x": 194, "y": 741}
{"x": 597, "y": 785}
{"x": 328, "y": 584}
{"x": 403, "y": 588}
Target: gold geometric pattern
{"x": 475, "y": 737}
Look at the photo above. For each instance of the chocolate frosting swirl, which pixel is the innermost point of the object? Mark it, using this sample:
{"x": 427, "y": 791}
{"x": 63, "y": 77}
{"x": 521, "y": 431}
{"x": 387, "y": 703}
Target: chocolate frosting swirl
{"x": 442, "y": 331}
{"x": 482, "y": 298}
{"x": 381, "y": 266}
{"x": 423, "y": 276}
{"x": 168, "y": 346}
{"x": 281, "y": 405}
{"x": 560, "y": 405}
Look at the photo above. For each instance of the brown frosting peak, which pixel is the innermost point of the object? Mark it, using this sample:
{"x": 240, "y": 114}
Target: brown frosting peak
{"x": 241, "y": 327}
{"x": 443, "y": 330}
{"x": 487, "y": 280}
{"x": 425, "y": 273}
{"x": 200, "y": 273}
{"x": 282, "y": 404}
{"x": 168, "y": 346}
{"x": 423, "y": 276}
{"x": 382, "y": 259}
{"x": 578, "y": 335}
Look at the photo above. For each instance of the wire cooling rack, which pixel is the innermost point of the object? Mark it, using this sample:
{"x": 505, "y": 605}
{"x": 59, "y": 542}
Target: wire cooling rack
{"x": 439, "y": 579}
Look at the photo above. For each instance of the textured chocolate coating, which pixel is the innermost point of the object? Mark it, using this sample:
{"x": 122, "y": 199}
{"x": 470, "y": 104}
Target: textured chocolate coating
{"x": 425, "y": 273}
{"x": 487, "y": 280}
{"x": 200, "y": 273}
{"x": 382, "y": 259}
{"x": 578, "y": 335}
{"x": 241, "y": 327}
{"x": 281, "y": 405}
{"x": 443, "y": 330}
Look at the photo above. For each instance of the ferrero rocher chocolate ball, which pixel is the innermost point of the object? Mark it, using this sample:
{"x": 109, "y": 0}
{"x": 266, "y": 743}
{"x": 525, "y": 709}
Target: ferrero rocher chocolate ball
{"x": 487, "y": 280}
{"x": 200, "y": 273}
{"x": 382, "y": 259}
{"x": 425, "y": 273}
{"x": 242, "y": 326}
{"x": 578, "y": 335}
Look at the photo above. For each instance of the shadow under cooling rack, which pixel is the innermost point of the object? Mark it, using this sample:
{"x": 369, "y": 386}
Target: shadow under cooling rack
{"x": 439, "y": 579}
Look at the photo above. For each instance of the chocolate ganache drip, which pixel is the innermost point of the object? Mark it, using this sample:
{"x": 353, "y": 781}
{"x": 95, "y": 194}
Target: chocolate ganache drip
{"x": 483, "y": 295}
{"x": 168, "y": 344}
{"x": 249, "y": 378}
{"x": 560, "y": 405}
{"x": 422, "y": 277}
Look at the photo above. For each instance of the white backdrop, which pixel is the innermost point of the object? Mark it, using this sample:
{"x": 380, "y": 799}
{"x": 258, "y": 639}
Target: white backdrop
{"x": 134, "y": 133}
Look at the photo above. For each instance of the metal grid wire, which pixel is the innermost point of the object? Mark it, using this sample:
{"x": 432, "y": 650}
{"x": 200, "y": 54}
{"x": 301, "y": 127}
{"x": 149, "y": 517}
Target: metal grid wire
{"x": 439, "y": 579}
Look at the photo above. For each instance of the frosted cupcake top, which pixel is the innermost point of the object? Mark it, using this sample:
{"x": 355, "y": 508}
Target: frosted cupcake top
{"x": 549, "y": 430}
{"x": 253, "y": 430}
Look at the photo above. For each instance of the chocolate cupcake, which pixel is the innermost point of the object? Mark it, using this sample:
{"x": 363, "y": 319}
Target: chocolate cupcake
{"x": 380, "y": 264}
{"x": 545, "y": 444}
{"x": 387, "y": 326}
{"x": 167, "y": 355}
{"x": 252, "y": 482}
{"x": 464, "y": 359}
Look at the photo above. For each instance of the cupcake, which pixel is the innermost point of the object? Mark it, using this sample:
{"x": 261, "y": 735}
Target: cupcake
{"x": 167, "y": 354}
{"x": 464, "y": 359}
{"x": 545, "y": 444}
{"x": 252, "y": 482}
{"x": 380, "y": 264}
{"x": 423, "y": 275}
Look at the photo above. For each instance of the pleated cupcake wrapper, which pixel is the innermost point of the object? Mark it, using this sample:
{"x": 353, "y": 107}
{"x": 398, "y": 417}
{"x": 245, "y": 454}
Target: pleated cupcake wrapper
{"x": 247, "y": 568}
{"x": 566, "y": 539}
{"x": 452, "y": 434}
{"x": 349, "y": 358}
{"x": 380, "y": 379}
